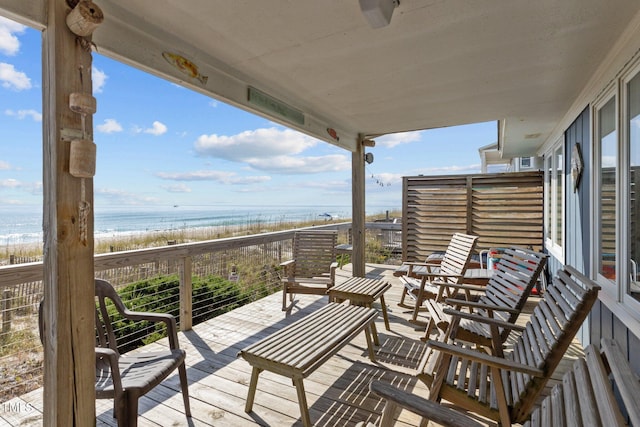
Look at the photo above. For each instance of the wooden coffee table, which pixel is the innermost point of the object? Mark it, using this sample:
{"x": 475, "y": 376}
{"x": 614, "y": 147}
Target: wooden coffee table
{"x": 302, "y": 347}
{"x": 363, "y": 291}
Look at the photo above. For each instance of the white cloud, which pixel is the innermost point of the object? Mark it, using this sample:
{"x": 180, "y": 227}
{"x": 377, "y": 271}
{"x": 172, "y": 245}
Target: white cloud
{"x": 99, "y": 79}
{"x": 13, "y": 79}
{"x": 301, "y": 165}
{"x": 10, "y": 183}
{"x": 609, "y": 161}
{"x": 5, "y": 166}
{"x": 217, "y": 176}
{"x": 22, "y": 114}
{"x": 9, "y": 43}
{"x": 392, "y": 140}
{"x": 124, "y": 197}
{"x": 449, "y": 170}
{"x": 177, "y": 188}
{"x": 271, "y": 149}
{"x": 253, "y": 143}
{"x": 156, "y": 129}
{"x": 109, "y": 126}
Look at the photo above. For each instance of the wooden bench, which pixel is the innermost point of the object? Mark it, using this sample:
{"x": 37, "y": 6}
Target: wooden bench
{"x": 302, "y": 347}
{"x": 585, "y": 397}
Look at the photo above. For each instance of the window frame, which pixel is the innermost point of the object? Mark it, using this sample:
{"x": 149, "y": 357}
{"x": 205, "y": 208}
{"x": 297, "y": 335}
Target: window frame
{"x": 615, "y": 291}
{"x": 612, "y": 92}
{"x": 624, "y": 145}
{"x": 551, "y": 200}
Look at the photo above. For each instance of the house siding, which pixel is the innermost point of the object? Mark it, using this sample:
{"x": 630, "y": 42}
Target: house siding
{"x": 578, "y": 238}
{"x": 576, "y": 215}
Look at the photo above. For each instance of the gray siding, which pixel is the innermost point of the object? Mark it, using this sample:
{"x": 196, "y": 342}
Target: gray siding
{"x": 576, "y": 220}
{"x": 602, "y": 321}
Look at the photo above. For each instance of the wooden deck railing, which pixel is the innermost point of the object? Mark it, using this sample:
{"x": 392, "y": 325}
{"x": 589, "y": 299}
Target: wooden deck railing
{"x": 249, "y": 263}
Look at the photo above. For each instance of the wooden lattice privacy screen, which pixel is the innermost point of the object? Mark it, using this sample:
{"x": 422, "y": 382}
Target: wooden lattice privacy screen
{"x": 503, "y": 209}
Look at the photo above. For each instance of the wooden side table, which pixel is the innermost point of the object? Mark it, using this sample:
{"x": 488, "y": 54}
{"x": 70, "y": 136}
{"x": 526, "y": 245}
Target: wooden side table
{"x": 362, "y": 291}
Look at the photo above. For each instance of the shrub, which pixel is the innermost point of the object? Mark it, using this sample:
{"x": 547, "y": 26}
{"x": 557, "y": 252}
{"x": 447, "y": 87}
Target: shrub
{"x": 212, "y": 296}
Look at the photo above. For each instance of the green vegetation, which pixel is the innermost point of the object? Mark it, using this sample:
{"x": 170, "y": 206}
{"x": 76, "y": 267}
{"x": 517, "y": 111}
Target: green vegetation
{"x": 212, "y": 296}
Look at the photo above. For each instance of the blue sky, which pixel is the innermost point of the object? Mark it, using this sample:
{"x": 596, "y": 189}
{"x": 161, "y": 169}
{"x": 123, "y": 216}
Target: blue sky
{"x": 160, "y": 145}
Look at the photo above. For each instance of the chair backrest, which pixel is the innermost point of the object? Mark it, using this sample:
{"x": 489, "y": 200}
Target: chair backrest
{"x": 313, "y": 252}
{"x": 105, "y": 336}
{"x": 457, "y": 256}
{"x": 512, "y": 281}
{"x": 547, "y": 336}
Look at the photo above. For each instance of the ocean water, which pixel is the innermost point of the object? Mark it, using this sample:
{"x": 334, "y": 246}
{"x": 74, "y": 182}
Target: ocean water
{"x": 20, "y": 225}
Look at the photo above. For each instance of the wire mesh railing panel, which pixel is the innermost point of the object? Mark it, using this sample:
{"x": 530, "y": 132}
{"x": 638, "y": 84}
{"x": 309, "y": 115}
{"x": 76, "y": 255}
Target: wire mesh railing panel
{"x": 225, "y": 274}
{"x": 20, "y": 349}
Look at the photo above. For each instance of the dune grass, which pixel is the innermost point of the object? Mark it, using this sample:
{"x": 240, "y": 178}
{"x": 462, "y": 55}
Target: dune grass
{"x": 33, "y": 252}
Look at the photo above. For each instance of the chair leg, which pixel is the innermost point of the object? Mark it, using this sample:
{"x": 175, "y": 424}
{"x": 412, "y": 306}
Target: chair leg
{"x": 402, "y": 297}
{"x": 120, "y": 410}
{"x": 132, "y": 410}
{"x": 284, "y": 297}
{"x": 182, "y": 371}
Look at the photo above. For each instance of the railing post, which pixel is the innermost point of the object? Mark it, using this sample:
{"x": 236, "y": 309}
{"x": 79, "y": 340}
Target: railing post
{"x": 5, "y": 308}
{"x": 186, "y": 294}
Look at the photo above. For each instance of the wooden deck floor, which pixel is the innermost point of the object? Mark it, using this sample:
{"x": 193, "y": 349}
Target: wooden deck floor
{"x": 337, "y": 393}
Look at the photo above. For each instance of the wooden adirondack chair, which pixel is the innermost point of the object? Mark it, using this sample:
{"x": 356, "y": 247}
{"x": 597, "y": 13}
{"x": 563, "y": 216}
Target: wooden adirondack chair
{"x": 467, "y": 377}
{"x": 313, "y": 267}
{"x": 584, "y": 397}
{"x": 502, "y": 299}
{"x": 434, "y": 281}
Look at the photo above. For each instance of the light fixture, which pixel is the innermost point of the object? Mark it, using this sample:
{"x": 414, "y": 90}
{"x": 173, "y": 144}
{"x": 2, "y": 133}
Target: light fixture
{"x": 378, "y": 12}
{"x": 368, "y": 157}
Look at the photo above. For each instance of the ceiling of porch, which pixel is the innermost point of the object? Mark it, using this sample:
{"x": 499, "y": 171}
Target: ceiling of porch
{"x": 439, "y": 63}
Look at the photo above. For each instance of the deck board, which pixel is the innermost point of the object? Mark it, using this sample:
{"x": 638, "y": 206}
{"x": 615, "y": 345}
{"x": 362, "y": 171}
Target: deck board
{"x": 337, "y": 392}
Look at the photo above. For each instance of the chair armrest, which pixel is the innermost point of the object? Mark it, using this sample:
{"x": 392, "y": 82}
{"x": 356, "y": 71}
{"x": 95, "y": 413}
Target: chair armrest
{"x": 426, "y": 265}
{"x": 421, "y": 264}
{"x": 110, "y": 357}
{"x": 483, "y": 319}
{"x": 167, "y": 319}
{"x": 427, "y": 409}
{"x": 487, "y": 359}
{"x": 438, "y": 276}
{"x": 288, "y": 269}
{"x": 473, "y": 304}
{"x": 467, "y": 287}
{"x": 332, "y": 272}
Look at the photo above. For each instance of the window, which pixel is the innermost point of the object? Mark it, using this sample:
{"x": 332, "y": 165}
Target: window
{"x": 607, "y": 159}
{"x": 525, "y": 162}
{"x": 633, "y": 185}
{"x": 554, "y": 218}
{"x": 559, "y": 195}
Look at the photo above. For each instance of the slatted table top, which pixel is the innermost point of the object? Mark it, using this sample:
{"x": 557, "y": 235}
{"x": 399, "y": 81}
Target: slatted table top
{"x": 300, "y": 348}
{"x": 359, "y": 288}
